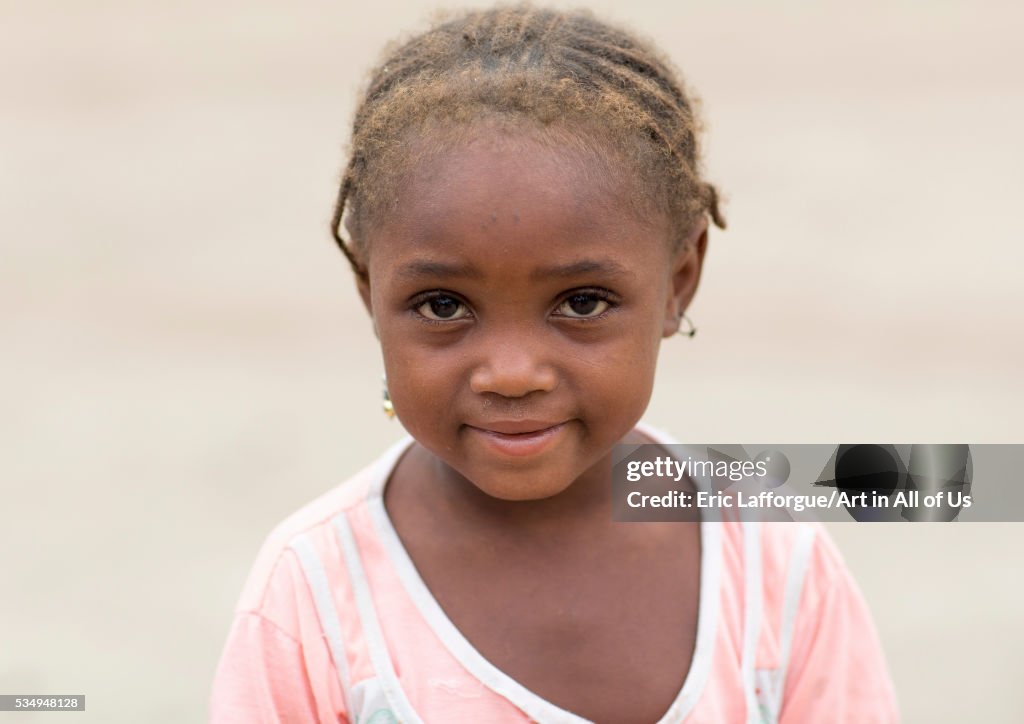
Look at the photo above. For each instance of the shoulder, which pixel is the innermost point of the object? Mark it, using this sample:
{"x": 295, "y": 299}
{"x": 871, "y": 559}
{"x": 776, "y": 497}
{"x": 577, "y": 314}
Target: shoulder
{"x": 810, "y": 618}
{"x": 795, "y": 566}
{"x": 832, "y": 659}
{"x": 277, "y": 565}
{"x": 798, "y": 564}
{"x": 279, "y": 659}
{"x": 801, "y": 550}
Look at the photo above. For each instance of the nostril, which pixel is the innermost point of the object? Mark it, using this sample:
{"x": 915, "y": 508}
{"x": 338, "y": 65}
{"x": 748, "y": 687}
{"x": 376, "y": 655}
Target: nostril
{"x": 513, "y": 381}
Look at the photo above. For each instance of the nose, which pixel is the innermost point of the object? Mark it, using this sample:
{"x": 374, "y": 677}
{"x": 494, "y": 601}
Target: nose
{"x": 513, "y": 369}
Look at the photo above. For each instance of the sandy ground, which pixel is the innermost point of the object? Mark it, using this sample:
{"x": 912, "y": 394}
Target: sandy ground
{"x": 185, "y": 362}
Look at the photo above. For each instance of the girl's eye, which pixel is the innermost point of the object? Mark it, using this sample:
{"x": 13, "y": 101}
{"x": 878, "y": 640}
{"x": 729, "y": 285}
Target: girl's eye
{"x": 442, "y": 308}
{"x": 583, "y": 305}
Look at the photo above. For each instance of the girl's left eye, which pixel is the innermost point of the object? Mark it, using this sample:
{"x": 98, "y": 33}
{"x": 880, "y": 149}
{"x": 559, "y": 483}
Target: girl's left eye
{"x": 583, "y": 305}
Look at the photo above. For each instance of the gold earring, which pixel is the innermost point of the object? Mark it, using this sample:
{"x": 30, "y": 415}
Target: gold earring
{"x": 687, "y": 332}
{"x": 389, "y": 409}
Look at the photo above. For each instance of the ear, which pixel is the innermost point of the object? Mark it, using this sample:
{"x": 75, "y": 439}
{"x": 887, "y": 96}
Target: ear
{"x": 362, "y": 282}
{"x": 686, "y": 267}
{"x": 363, "y": 285}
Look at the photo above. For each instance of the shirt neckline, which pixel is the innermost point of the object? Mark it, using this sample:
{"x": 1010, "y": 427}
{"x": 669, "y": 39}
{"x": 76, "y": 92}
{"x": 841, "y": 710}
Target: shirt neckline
{"x": 532, "y": 704}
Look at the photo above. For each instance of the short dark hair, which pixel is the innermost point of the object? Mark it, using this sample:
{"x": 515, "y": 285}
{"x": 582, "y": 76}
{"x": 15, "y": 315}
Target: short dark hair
{"x": 523, "y": 64}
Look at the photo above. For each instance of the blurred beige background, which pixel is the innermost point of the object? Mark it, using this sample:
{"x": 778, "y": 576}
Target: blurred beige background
{"x": 185, "y": 362}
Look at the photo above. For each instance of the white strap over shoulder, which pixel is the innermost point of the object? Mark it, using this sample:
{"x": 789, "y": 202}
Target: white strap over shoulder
{"x": 313, "y": 570}
{"x": 799, "y": 560}
{"x": 401, "y": 709}
{"x": 753, "y": 607}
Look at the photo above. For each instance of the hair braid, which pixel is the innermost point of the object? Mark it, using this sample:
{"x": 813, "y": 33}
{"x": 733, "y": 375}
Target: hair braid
{"x": 339, "y": 212}
{"x": 526, "y": 64}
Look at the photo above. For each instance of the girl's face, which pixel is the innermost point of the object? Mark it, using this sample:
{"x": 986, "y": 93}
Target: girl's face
{"x": 520, "y": 305}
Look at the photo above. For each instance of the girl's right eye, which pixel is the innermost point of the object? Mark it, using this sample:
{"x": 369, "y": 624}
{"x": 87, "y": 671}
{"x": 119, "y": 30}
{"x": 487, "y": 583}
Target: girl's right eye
{"x": 442, "y": 308}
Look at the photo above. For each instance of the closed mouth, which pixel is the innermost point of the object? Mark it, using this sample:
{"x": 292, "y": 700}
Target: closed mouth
{"x": 520, "y": 439}
{"x": 514, "y": 428}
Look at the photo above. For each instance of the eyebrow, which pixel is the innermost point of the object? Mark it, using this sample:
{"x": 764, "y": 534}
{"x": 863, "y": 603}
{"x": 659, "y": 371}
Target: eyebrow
{"x": 424, "y": 268}
{"x": 606, "y": 267}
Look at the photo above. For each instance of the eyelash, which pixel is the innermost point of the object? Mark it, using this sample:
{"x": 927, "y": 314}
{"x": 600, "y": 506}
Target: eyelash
{"x": 421, "y": 299}
{"x": 601, "y": 295}
{"x": 598, "y": 293}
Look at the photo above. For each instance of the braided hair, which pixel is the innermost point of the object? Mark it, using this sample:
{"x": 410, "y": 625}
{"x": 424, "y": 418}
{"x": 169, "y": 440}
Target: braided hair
{"x": 564, "y": 73}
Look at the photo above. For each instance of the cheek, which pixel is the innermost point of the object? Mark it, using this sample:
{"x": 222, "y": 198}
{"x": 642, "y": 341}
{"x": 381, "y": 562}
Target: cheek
{"x": 621, "y": 377}
{"x": 422, "y": 380}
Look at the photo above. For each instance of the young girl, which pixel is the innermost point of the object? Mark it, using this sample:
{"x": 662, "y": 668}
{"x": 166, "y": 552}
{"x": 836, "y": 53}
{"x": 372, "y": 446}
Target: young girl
{"x": 527, "y": 221}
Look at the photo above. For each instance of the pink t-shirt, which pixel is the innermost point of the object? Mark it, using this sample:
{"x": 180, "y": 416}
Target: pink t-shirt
{"x": 336, "y": 625}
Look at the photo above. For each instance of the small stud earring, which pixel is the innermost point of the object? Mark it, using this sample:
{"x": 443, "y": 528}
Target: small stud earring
{"x": 389, "y": 409}
{"x": 690, "y": 331}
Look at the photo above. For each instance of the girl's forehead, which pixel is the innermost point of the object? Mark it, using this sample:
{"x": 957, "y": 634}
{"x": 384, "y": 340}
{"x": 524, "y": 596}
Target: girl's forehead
{"x": 515, "y": 208}
{"x": 459, "y": 155}
{"x": 476, "y": 179}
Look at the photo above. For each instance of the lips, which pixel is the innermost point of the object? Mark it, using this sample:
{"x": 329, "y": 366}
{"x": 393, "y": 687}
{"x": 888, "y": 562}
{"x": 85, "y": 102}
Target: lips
{"x": 516, "y": 427}
{"x": 518, "y": 438}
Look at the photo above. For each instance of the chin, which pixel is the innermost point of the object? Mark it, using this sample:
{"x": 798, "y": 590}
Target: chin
{"x": 519, "y": 484}
{"x": 522, "y": 493}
